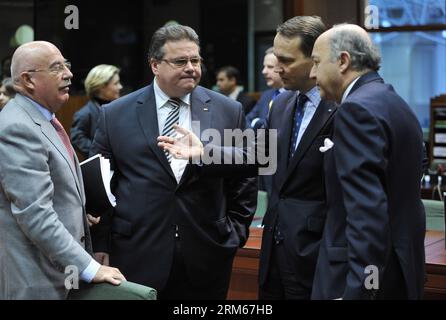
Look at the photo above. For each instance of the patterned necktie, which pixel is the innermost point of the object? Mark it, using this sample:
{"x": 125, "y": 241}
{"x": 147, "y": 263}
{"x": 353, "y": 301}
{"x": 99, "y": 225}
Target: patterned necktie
{"x": 172, "y": 118}
{"x": 64, "y": 137}
{"x": 298, "y": 117}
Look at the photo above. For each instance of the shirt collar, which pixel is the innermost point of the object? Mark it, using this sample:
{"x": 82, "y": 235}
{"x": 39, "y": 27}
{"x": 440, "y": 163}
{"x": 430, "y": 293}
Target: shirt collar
{"x": 46, "y": 113}
{"x": 161, "y": 98}
{"x": 234, "y": 94}
{"x": 349, "y": 88}
{"x": 313, "y": 96}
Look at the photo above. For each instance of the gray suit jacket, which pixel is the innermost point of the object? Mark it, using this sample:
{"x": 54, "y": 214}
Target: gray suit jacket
{"x": 42, "y": 217}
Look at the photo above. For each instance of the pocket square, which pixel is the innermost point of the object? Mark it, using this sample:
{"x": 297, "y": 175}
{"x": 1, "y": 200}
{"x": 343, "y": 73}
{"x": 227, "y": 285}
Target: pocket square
{"x": 328, "y": 144}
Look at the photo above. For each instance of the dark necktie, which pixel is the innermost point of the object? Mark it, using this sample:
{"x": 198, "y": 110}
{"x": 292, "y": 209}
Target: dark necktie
{"x": 172, "y": 118}
{"x": 64, "y": 137}
{"x": 297, "y": 120}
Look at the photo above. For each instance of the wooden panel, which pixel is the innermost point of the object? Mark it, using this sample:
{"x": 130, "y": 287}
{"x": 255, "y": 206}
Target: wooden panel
{"x": 244, "y": 280}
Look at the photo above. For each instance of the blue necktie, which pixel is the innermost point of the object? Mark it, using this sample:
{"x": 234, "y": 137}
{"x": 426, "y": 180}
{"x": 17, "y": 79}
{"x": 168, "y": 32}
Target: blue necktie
{"x": 298, "y": 117}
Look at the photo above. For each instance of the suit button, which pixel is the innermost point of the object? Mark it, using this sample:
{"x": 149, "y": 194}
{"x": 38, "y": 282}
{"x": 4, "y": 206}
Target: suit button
{"x": 83, "y": 239}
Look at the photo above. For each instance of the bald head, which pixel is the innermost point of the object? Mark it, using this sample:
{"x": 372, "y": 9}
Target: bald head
{"x": 30, "y": 56}
{"x": 356, "y": 41}
{"x": 40, "y": 72}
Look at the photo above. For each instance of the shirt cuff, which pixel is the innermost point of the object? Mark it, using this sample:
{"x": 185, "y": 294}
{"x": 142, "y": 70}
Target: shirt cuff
{"x": 90, "y": 271}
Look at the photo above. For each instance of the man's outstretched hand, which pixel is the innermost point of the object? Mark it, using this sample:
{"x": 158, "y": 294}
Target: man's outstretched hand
{"x": 186, "y": 146}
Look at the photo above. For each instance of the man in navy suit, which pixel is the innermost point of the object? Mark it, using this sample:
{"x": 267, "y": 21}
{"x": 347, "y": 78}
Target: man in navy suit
{"x": 373, "y": 242}
{"x": 296, "y": 211}
{"x": 259, "y": 114}
{"x": 172, "y": 229}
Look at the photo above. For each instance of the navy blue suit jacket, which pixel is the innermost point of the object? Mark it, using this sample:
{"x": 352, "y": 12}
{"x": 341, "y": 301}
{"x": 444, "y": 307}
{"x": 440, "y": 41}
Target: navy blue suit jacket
{"x": 375, "y": 215}
{"x": 298, "y": 191}
{"x": 85, "y": 122}
{"x": 261, "y": 109}
{"x": 212, "y": 214}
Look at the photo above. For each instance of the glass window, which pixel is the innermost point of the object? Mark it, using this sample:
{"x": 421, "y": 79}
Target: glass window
{"x": 397, "y": 13}
{"x": 415, "y": 64}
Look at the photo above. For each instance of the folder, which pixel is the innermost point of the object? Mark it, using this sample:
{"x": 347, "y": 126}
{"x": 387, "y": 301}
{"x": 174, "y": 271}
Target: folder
{"x": 97, "y": 175}
{"x": 107, "y": 291}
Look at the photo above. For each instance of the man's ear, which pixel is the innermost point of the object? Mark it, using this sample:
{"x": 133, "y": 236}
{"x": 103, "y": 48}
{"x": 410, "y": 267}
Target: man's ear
{"x": 27, "y": 80}
{"x": 344, "y": 61}
{"x": 154, "y": 65}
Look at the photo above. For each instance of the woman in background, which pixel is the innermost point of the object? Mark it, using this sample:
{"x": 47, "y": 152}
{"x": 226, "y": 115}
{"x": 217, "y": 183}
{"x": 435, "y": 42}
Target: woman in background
{"x": 102, "y": 86}
{"x": 7, "y": 92}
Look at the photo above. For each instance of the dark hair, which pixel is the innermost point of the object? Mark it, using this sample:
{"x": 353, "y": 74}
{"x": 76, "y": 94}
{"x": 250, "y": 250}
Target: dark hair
{"x": 171, "y": 32}
{"x": 231, "y": 72}
{"x": 308, "y": 28}
{"x": 9, "y": 87}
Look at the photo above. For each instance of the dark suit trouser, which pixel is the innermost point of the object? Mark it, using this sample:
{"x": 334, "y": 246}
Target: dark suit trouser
{"x": 282, "y": 282}
{"x": 393, "y": 286}
{"x": 180, "y": 287}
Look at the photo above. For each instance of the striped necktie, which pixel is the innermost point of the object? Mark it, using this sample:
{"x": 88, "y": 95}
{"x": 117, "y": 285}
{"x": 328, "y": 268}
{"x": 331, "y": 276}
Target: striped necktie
{"x": 172, "y": 118}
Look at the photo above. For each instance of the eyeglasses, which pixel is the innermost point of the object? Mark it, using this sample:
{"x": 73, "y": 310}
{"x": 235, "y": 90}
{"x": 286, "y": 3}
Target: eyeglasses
{"x": 182, "y": 62}
{"x": 56, "y": 68}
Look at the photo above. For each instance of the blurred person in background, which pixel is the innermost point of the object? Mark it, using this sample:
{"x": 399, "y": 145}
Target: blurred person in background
{"x": 228, "y": 83}
{"x": 102, "y": 86}
{"x": 7, "y": 92}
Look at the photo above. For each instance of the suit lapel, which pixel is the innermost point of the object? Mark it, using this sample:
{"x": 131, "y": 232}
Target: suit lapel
{"x": 284, "y": 128}
{"x": 148, "y": 120}
{"x": 50, "y": 133}
{"x": 323, "y": 113}
{"x": 201, "y": 113}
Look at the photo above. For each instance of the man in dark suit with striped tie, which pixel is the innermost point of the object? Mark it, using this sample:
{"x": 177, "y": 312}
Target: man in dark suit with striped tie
{"x": 172, "y": 229}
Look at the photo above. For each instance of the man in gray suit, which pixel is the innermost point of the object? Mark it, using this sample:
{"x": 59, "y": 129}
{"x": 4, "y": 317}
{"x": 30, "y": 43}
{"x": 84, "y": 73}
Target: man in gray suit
{"x": 44, "y": 236}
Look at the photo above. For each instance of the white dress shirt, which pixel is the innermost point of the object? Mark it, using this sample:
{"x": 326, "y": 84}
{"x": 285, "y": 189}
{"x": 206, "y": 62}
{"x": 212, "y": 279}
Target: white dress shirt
{"x": 349, "y": 88}
{"x": 162, "y": 110}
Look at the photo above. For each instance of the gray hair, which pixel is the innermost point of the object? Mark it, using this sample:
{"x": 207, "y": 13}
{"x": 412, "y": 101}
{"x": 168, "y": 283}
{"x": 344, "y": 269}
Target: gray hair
{"x": 170, "y": 32}
{"x": 270, "y": 50}
{"x": 364, "y": 55}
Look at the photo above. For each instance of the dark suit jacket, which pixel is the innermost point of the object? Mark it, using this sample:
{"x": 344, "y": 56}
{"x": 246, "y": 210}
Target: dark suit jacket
{"x": 261, "y": 108}
{"x": 212, "y": 214}
{"x": 298, "y": 195}
{"x": 375, "y": 213}
{"x": 246, "y": 101}
{"x": 84, "y": 127}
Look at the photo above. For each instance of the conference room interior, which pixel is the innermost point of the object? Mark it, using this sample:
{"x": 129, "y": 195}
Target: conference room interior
{"x": 410, "y": 34}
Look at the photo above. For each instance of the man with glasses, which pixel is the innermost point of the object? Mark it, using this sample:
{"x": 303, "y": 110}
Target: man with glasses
{"x": 44, "y": 235}
{"x": 172, "y": 229}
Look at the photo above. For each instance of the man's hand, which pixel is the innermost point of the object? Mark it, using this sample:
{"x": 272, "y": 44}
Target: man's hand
{"x": 102, "y": 258}
{"x": 187, "y": 146}
{"x": 92, "y": 220}
{"x": 110, "y": 275}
